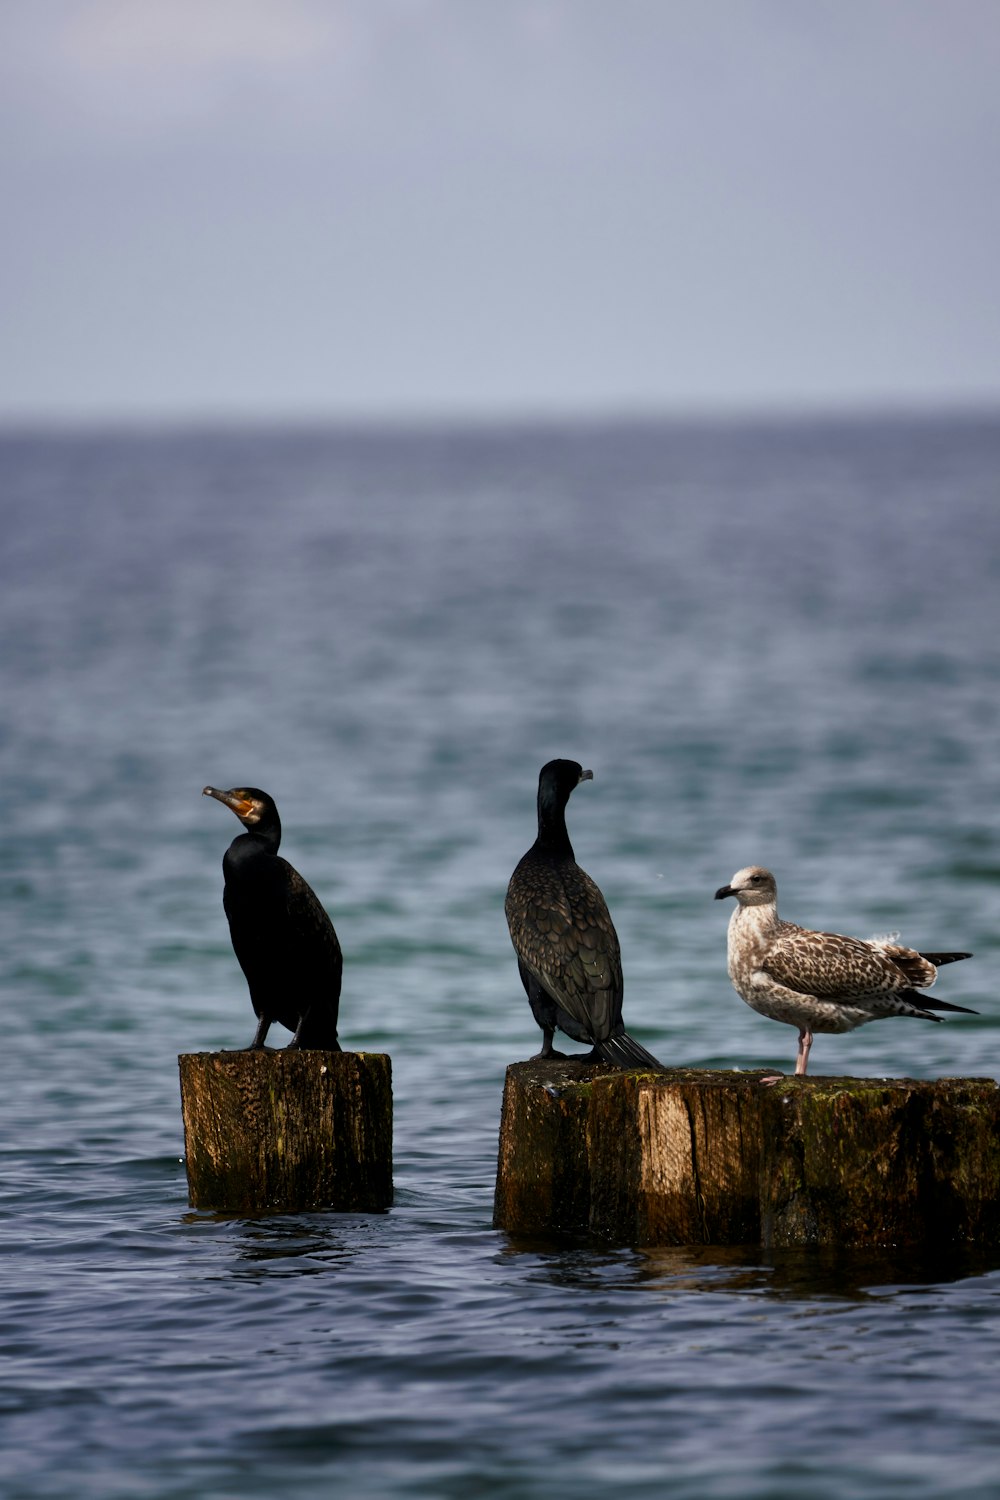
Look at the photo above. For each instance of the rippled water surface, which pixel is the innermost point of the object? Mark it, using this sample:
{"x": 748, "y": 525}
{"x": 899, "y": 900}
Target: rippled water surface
{"x": 771, "y": 643}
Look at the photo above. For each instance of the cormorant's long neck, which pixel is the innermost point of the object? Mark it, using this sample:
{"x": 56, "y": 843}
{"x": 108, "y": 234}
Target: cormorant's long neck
{"x": 552, "y": 835}
{"x": 264, "y": 839}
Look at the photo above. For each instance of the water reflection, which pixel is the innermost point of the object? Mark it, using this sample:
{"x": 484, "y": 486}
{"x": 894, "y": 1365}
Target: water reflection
{"x": 796, "y": 1274}
{"x": 824, "y": 1271}
{"x": 285, "y": 1245}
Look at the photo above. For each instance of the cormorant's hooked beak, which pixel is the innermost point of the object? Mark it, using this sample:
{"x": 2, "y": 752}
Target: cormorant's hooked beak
{"x": 241, "y": 806}
{"x": 586, "y": 776}
{"x": 724, "y": 890}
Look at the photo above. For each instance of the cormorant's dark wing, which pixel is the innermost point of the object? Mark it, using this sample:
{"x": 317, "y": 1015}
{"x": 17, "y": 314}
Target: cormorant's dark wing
{"x": 313, "y": 957}
{"x": 309, "y": 921}
{"x": 315, "y": 962}
{"x": 563, "y": 934}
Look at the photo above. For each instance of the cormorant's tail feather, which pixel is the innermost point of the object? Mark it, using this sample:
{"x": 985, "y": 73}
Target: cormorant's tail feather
{"x": 625, "y": 1052}
{"x": 316, "y": 1036}
{"x": 937, "y": 959}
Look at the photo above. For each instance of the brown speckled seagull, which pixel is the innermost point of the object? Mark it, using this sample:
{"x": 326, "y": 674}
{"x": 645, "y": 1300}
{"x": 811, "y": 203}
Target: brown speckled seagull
{"x": 821, "y": 981}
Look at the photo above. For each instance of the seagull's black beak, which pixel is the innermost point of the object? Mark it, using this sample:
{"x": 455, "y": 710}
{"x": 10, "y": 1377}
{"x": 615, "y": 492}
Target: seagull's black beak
{"x": 724, "y": 890}
{"x": 586, "y": 776}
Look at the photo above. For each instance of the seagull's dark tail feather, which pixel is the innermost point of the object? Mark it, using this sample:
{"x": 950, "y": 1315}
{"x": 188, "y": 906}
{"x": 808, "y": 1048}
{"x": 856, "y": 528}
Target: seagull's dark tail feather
{"x": 923, "y": 1004}
{"x": 937, "y": 959}
{"x": 625, "y": 1052}
{"x": 929, "y": 1002}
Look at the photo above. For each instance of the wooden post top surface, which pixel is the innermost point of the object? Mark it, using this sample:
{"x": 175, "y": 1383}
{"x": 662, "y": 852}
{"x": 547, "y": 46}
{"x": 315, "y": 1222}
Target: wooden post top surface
{"x": 296, "y": 1057}
{"x": 713, "y": 1156}
{"x": 569, "y": 1072}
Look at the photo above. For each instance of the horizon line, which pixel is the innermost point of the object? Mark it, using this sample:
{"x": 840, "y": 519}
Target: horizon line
{"x": 901, "y": 408}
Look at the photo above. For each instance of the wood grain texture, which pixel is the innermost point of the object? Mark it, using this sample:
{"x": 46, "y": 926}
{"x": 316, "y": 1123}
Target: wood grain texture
{"x": 692, "y": 1157}
{"x": 287, "y": 1130}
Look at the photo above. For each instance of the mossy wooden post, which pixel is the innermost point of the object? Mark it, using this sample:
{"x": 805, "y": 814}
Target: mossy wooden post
{"x": 894, "y": 1162}
{"x": 692, "y": 1157}
{"x": 286, "y": 1131}
{"x": 543, "y": 1176}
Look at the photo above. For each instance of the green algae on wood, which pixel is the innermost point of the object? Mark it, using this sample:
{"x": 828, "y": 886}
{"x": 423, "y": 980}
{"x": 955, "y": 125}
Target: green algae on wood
{"x": 287, "y": 1131}
{"x": 892, "y": 1162}
{"x": 543, "y": 1179}
{"x": 697, "y": 1157}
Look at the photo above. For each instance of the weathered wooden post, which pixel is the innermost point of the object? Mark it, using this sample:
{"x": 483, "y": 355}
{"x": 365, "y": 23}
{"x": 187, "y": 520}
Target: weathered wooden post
{"x": 677, "y": 1165}
{"x": 543, "y": 1174}
{"x": 895, "y": 1162}
{"x": 691, "y": 1157}
{"x": 287, "y": 1131}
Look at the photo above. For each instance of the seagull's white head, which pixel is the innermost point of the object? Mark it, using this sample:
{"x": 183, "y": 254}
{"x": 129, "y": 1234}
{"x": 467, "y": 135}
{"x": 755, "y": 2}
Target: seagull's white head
{"x": 753, "y": 886}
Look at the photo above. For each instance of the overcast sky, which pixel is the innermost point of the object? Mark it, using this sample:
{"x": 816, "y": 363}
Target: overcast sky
{"x": 306, "y": 208}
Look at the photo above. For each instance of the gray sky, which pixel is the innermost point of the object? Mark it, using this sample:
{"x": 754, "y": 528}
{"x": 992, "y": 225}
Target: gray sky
{"x": 408, "y": 207}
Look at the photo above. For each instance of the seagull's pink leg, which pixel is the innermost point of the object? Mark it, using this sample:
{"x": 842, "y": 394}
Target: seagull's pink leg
{"x": 802, "y": 1060}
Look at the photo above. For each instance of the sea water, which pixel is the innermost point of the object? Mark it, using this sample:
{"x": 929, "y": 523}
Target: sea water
{"x": 772, "y": 642}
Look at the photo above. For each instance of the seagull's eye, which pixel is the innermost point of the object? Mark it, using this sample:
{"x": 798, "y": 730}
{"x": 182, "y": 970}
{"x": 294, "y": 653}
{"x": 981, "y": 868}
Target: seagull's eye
{"x": 755, "y": 880}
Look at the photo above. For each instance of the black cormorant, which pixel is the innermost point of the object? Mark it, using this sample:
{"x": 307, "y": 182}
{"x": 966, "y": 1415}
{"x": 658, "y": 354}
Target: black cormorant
{"x": 284, "y": 940}
{"x": 566, "y": 945}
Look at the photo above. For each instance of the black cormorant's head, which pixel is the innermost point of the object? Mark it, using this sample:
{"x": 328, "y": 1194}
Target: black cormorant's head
{"x": 254, "y": 808}
{"x": 556, "y": 781}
